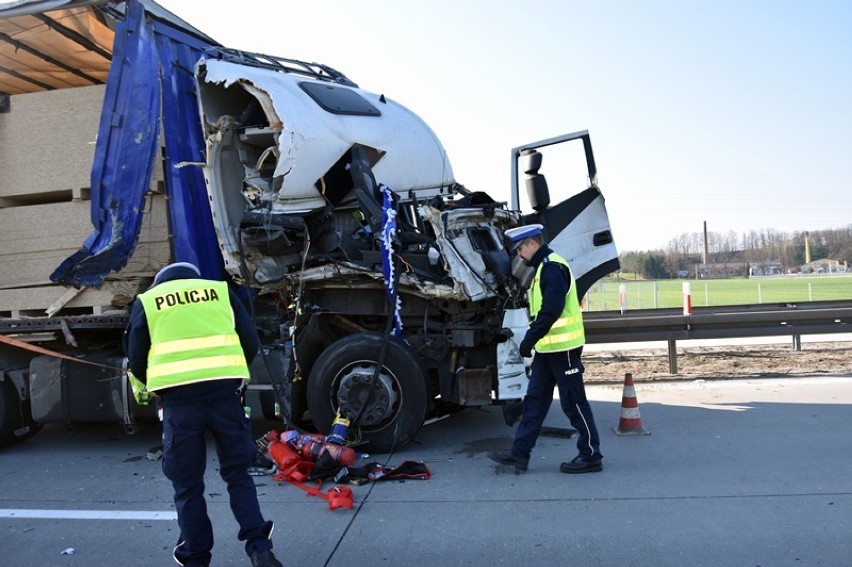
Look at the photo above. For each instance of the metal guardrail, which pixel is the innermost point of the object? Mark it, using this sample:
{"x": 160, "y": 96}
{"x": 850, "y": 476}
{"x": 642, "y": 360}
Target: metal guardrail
{"x": 644, "y": 325}
{"x": 641, "y": 325}
{"x": 738, "y": 321}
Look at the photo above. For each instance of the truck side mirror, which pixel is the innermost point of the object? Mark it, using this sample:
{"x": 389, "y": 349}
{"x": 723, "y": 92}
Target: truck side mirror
{"x": 537, "y": 191}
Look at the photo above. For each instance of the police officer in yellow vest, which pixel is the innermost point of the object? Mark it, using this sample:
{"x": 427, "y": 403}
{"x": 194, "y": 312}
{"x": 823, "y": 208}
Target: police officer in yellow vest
{"x": 190, "y": 340}
{"x": 556, "y": 332}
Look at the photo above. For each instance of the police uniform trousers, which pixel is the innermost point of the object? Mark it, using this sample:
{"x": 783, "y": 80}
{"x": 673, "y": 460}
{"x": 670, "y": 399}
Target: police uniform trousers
{"x": 184, "y": 462}
{"x": 563, "y": 370}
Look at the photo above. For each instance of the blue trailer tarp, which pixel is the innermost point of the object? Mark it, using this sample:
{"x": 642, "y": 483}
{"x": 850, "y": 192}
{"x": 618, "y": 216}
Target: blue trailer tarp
{"x": 151, "y": 77}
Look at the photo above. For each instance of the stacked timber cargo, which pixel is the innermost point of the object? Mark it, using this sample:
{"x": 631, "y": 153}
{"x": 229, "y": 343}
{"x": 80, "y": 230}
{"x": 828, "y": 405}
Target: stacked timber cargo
{"x": 47, "y": 142}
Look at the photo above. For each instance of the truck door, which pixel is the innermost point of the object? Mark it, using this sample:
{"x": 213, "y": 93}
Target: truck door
{"x": 577, "y": 227}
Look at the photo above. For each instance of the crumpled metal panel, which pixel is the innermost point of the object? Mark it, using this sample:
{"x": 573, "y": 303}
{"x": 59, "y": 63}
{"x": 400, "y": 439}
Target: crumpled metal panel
{"x": 465, "y": 264}
{"x": 128, "y": 140}
{"x": 310, "y": 139}
{"x": 348, "y": 273}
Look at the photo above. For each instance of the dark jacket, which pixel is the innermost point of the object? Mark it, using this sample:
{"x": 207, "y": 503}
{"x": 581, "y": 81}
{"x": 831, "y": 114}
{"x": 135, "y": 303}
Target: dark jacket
{"x": 137, "y": 343}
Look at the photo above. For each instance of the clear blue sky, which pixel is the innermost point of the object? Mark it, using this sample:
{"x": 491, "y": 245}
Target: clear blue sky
{"x": 733, "y": 112}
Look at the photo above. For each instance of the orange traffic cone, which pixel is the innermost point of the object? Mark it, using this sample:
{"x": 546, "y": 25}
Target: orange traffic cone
{"x": 630, "y": 422}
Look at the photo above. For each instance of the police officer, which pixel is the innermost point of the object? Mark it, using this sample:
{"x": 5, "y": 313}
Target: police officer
{"x": 191, "y": 341}
{"x": 556, "y": 332}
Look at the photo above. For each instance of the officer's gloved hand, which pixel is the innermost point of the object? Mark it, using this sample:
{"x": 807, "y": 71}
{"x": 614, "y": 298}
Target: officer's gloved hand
{"x": 140, "y": 390}
{"x": 526, "y": 347}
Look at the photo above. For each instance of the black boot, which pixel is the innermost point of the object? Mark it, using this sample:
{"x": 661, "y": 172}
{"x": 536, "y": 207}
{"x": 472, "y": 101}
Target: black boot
{"x": 264, "y": 559}
{"x": 581, "y": 465}
{"x": 509, "y": 458}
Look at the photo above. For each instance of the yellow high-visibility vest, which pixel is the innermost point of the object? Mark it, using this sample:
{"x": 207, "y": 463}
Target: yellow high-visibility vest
{"x": 192, "y": 334}
{"x": 567, "y": 332}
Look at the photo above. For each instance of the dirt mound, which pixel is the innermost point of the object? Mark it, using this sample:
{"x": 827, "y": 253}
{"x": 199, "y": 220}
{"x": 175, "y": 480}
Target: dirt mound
{"x": 720, "y": 362}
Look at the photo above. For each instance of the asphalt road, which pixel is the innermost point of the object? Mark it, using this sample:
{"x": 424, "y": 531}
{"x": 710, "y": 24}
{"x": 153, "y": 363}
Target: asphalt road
{"x": 750, "y": 473}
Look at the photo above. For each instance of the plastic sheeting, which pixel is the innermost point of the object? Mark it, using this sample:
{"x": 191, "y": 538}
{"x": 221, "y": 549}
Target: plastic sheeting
{"x": 152, "y": 63}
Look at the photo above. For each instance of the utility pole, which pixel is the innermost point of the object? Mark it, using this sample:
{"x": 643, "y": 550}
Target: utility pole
{"x": 807, "y": 248}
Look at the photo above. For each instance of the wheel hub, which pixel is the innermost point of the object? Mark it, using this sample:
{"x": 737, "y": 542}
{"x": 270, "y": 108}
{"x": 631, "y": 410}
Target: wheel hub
{"x": 354, "y": 391}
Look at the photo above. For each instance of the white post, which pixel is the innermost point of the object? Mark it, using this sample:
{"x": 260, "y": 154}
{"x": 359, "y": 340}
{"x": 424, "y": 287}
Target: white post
{"x": 622, "y": 298}
{"x": 687, "y": 299}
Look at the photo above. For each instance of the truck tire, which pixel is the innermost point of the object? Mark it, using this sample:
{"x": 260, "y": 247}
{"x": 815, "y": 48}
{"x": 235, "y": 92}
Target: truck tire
{"x": 341, "y": 377}
{"x": 12, "y": 422}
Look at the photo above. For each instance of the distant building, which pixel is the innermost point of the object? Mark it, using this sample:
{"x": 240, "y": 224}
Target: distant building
{"x": 723, "y": 270}
{"x": 767, "y": 268}
{"x": 825, "y": 266}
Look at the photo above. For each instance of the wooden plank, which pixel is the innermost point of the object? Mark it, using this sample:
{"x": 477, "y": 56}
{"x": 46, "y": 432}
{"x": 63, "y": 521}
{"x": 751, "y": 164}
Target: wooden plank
{"x": 36, "y": 300}
{"x": 39, "y": 228}
{"x": 47, "y": 144}
{"x": 114, "y": 295}
{"x": 35, "y": 239}
{"x": 47, "y": 140}
{"x": 70, "y": 294}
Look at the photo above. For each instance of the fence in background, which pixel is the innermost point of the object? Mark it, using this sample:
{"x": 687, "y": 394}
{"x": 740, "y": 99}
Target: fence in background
{"x": 622, "y": 295}
{"x": 672, "y": 325}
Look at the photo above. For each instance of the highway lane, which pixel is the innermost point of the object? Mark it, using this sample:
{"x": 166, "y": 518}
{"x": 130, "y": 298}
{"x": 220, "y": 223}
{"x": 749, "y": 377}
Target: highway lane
{"x": 736, "y": 472}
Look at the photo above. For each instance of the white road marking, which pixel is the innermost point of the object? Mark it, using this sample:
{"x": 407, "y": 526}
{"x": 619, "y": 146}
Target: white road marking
{"x": 87, "y": 514}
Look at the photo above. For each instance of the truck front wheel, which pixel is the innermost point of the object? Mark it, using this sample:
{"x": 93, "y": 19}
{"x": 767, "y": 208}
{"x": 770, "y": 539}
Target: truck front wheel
{"x": 388, "y": 408}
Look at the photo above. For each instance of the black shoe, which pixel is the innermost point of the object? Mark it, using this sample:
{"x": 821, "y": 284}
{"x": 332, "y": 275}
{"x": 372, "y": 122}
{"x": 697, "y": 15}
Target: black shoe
{"x": 581, "y": 465}
{"x": 264, "y": 559}
{"x": 509, "y": 458}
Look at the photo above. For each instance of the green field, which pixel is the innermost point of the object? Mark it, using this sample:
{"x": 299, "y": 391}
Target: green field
{"x": 605, "y": 295}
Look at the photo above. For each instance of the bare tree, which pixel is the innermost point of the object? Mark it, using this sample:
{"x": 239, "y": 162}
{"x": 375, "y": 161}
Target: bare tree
{"x": 764, "y": 247}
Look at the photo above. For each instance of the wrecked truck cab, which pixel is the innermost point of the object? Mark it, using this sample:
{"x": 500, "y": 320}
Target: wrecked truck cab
{"x": 391, "y": 282}
{"x": 281, "y": 137}
{"x": 303, "y": 171}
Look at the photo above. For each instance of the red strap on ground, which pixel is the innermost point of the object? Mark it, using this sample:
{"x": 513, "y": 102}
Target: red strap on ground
{"x": 298, "y": 473}
{"x": 340, "y": 497}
